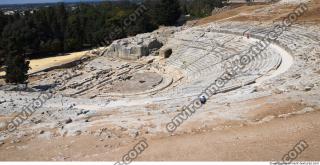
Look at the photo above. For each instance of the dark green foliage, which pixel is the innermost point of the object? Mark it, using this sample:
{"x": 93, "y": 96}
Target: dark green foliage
{"x": 17, "y": 39}
{"x": 3, "y": 22}
{"x": 16, "y": 68}
{"x": 199, "y": 8}
{"x": 164, "y": 12}
{"x": 61, "y": 28}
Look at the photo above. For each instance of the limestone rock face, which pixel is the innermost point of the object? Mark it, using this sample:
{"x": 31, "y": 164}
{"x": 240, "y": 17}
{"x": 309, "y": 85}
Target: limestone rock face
{"x": 135, "y": 47}
{"x": 141, "y": 45}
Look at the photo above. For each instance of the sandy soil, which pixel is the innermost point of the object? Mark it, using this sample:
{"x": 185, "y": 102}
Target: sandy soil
{"x": 263, "y": 142}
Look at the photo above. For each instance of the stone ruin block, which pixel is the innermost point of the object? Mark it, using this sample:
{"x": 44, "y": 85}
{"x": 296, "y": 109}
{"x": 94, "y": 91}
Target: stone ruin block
{"x": 134, "y": 48}
{"x": 142, "y": 44}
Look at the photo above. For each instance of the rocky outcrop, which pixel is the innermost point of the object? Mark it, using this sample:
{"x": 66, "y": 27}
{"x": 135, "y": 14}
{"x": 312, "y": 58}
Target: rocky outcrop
{"x": 141, "y": 45}
{"x": 133, "y": 48}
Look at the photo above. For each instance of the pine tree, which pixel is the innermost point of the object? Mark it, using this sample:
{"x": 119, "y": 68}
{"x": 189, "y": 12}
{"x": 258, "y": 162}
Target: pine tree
{"x": 16, "y": 37}
{"x": 16, "y": 68}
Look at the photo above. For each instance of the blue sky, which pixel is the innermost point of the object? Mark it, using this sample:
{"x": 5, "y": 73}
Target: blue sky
{"x": 36, "y": 1}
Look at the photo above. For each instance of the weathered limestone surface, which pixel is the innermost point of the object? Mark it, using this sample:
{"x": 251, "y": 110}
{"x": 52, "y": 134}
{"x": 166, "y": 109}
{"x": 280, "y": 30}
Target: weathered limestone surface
{"x": 140, "y": 45}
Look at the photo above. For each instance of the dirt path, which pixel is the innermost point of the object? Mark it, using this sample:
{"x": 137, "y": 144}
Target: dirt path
{"x": 263, "y": 142}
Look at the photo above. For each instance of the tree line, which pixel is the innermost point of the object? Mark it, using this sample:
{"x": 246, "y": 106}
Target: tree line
{"x": 62, "y": 28}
